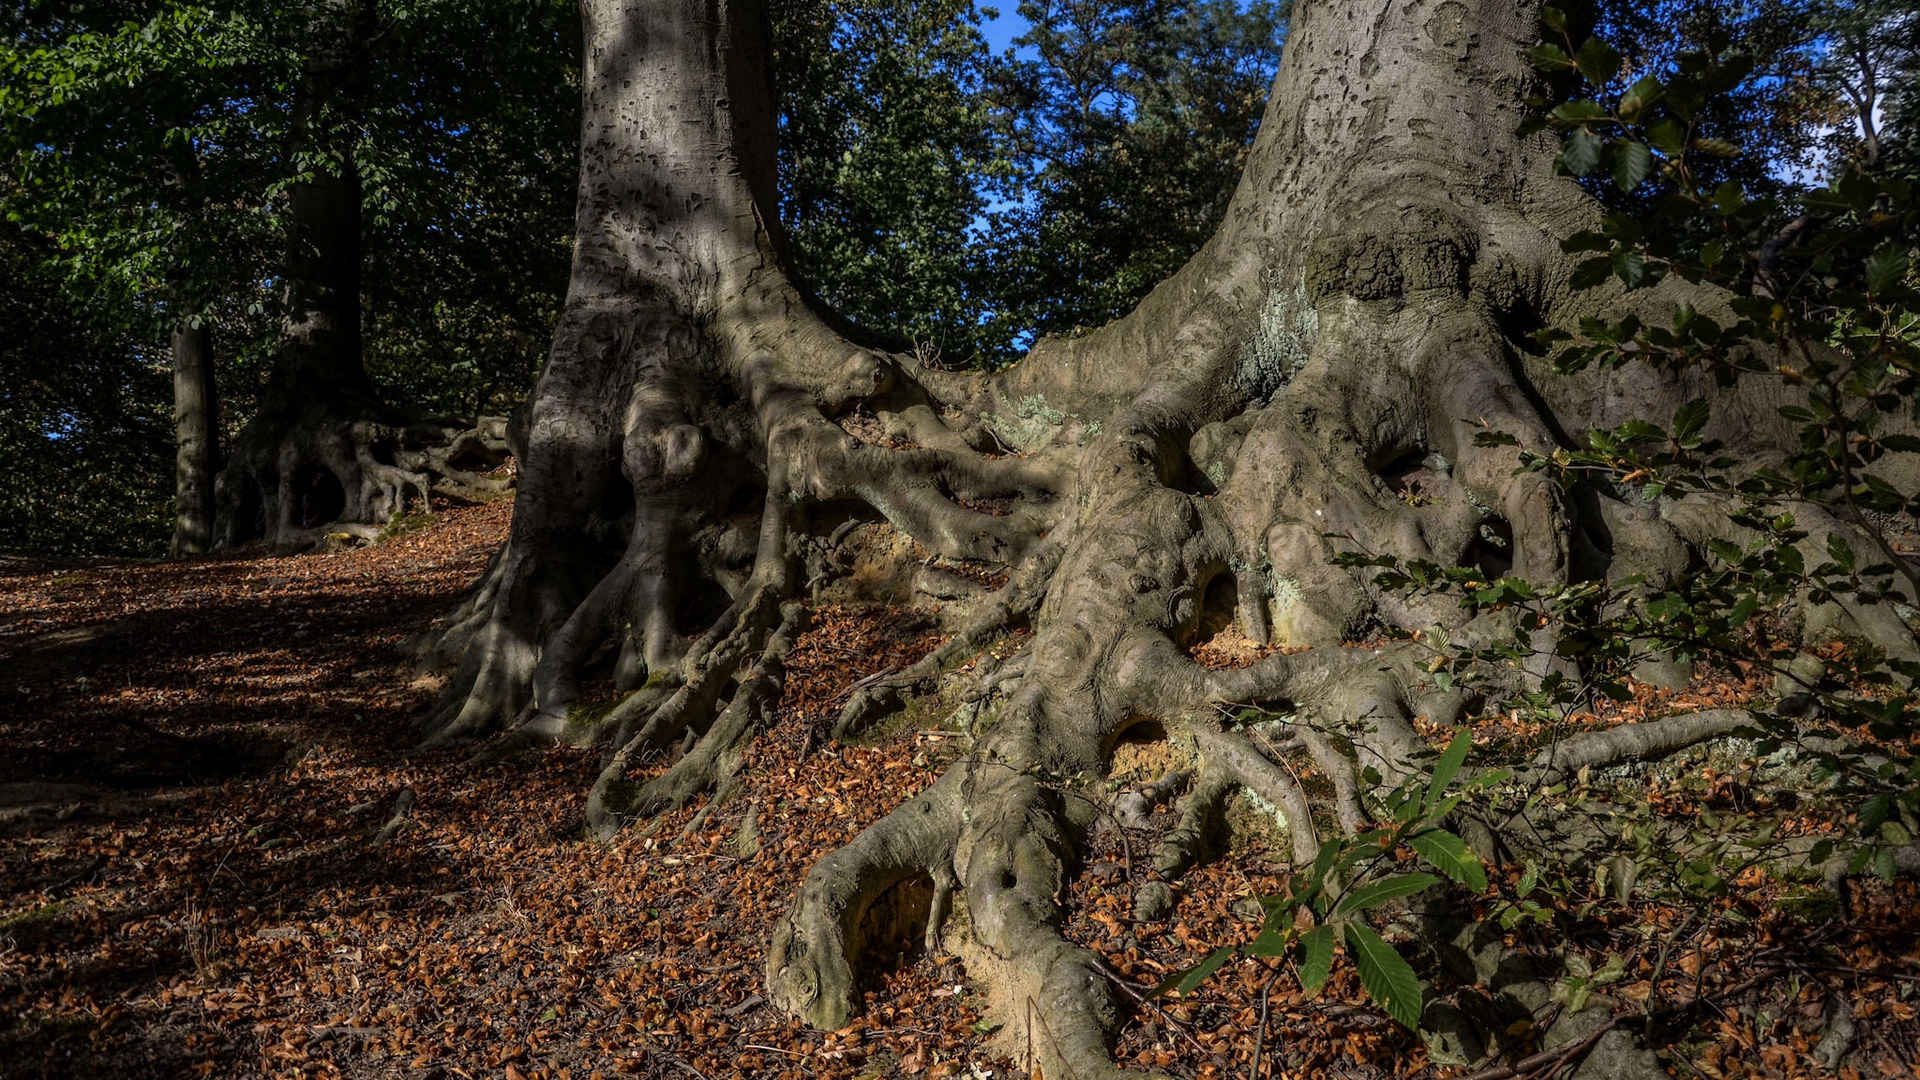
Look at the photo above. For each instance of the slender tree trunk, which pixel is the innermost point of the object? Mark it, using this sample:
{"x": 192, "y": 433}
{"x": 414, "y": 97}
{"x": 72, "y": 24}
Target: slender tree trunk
{"x": 691, "y": 470}
{"x": 196, "y": 431}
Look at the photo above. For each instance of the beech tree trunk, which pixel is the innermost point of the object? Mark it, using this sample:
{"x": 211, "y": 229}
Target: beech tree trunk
{"x": 702, "y": 441}
{"x": 326, "y": 456}
{"x": 196, "y": 431}
{"x": 320, "y": 347}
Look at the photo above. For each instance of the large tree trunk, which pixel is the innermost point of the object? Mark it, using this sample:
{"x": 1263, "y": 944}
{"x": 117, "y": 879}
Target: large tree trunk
{"x": 320, "y": 351}
{"x": 1353, "y": 320}
{"x": 325, "y": 454}
{"x": 196, "y": 432}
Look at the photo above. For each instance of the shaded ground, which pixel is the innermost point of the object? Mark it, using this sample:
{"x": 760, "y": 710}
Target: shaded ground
{"x": 198, "y": 761}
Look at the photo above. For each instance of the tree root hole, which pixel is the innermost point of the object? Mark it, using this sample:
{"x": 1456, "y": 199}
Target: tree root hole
{"x": 318, "y": 497}
{"x": 892, "y": 932}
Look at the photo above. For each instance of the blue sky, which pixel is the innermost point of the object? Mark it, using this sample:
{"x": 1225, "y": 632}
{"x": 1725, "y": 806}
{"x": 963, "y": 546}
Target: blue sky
{"x": 1001, "y": 31}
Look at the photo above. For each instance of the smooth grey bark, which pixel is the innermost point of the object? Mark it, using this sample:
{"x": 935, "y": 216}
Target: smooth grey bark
{"x": 1352, "y": 323}
{"x": 196, "y": 429}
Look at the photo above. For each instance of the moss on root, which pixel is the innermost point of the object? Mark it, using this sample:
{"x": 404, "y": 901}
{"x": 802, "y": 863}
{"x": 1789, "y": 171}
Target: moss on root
{"x": 584, "y": 719}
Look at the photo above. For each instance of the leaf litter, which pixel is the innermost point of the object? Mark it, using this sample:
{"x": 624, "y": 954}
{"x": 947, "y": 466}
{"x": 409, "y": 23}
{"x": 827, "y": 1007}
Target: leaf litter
{"x": 200, "y": 761}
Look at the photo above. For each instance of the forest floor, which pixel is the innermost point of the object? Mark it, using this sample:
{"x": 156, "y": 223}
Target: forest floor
{"x": 203, "y": 871}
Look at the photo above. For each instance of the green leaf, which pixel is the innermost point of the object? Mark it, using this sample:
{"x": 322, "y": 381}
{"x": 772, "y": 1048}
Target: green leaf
{"x": 1386, "y": 975}
{"x": 1743, "y": 609}
{"x": 1578, "y": 111}
{"x": 1599, "y": 62}
{"x": 1629, "y": 267}
{"x": 1272, "y": 939}
{"x": 1185, "y": 981}
{"x": 1323, "y": 862}
{"x": 1586, "y": 241}
{"x": 1840, "y": 551}
{"x": 1632, "y": 163}
{"x": 1668, "y": 136}
{"x": 1580, "y": 154}
{"x": 1447, "y": 853}
{"x": 1640, "y": 95}
{"x": 1318, "y": 960}
{"x": 1874, "y": 811}
{"x": 1885, "y": 269}
{"x": 1591, "y": 273}
{"x": 1549, "y": 57}
{"x": 1728, "y": 198}
{"x": 1449, "y": 764}
{"x": 1381, "y": 892}
{"x": 1689, "y": 421}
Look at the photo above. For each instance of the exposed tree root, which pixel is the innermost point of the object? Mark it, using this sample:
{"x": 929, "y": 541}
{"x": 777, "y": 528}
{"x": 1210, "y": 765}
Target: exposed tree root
{"x": 1015, "y": 601}
{"x": 1646, "y": 741}
{"x": 1182, "y": 846}
{"x": 291, "y": 485}
{"x": 714, "y": 758}
{"x": 1236, "y": 757}
{"x": 1311, "y": 384}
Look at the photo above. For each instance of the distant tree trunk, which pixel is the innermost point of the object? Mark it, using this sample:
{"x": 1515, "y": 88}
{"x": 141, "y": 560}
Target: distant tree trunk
{"x": 320, "y": 345}
{"x": 196, "y": 430}
{"x": 704, "y": 447}
{"x": 325, "y": 455}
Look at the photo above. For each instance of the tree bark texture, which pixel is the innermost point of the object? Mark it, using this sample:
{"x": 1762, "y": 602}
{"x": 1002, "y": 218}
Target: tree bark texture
{"x": 701, "y": 435}
{"x": 196, "y": 431}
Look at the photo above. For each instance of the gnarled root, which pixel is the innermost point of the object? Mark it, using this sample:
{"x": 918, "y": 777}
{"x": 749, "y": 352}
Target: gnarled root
{"x": 715, "y": 757}
{"x": 810, "y": 963}
{"x": 1182, "y": 846}
{"x": 296, "y": 484}
{"x": 1022, "y": 593}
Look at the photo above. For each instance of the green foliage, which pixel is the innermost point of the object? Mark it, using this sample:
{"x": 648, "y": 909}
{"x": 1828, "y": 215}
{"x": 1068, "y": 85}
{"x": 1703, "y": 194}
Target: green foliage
{"x": 1793, "y": 82}
{"x": 128, "y": 129}
{"x": 960, "y": 202}
{"x": 83, "y": 424}
{"x": 1127, "y": 125}
{"x": 885, "y": 157}
{"x": 1353, "y": 875}
{"x": 147, "y": 165}
{"x": 468, "y": 159}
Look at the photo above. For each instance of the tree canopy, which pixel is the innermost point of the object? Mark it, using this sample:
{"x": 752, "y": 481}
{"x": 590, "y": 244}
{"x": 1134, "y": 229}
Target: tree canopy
{"x": 150, "y": 158}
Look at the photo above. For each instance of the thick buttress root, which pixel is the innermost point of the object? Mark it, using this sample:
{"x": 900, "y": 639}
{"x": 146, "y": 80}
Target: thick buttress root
{"x": 324, "y": 476}
{"x": 1261, "y": 419}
